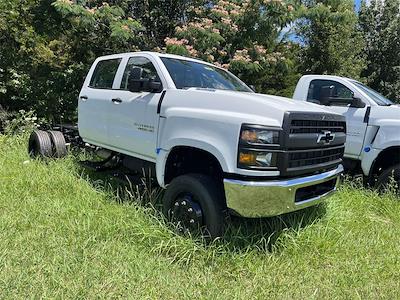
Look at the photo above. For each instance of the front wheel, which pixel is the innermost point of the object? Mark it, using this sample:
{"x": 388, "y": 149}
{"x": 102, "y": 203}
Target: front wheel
{"x": 195, "y": 203}
{"x": 389, "y": 176}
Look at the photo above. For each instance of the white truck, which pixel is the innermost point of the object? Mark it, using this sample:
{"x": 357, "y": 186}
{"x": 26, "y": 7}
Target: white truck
{"x": 373, "y": 124}
{"x": 213, "y": 144}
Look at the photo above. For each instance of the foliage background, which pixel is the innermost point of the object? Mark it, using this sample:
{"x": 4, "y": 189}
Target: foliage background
{"x": 47, "y": 46}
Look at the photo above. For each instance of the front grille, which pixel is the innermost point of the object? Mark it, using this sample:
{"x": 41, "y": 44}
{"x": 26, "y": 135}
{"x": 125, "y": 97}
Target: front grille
{"x": 312, "y": 143}
{"x": 314, "y": 157}
{"x": 316, "y": 126}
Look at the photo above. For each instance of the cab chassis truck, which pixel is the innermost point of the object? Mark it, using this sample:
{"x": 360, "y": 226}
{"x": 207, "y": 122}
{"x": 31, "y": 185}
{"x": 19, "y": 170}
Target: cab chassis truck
{"x": 209, "y": 140}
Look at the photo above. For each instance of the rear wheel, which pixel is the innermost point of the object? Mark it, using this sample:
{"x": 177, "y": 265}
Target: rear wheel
{"x": 40, "y": 144}
{"x": 58, "y": 143}
{"x": 390, "y": 176}
{"x": 195, "y": 203}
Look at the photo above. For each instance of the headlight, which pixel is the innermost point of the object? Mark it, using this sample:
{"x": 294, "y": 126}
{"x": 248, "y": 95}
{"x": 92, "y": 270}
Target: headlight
{"x": 258, "y": 147}
{"x": 256, "y": 159}
{"x": 258, "y": 135}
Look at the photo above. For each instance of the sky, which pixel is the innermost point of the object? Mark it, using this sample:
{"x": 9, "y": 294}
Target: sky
{"x": 357, "y": 2}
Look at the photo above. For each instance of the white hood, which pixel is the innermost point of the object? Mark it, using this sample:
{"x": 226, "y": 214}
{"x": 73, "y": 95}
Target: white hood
{"x": 385, "y": 115}
{"x": 235, "y": 106}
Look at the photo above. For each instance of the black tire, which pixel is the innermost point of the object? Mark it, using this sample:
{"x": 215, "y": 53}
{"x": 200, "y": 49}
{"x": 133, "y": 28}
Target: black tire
{"x": 40, "y": 144}
{"x": 205, "y": 192}
{"x": 389, "y": 175}
{"x": 58, "y": 143}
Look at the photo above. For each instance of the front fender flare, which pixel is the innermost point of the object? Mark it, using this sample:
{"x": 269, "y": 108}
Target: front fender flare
{"x": 164, "y": 152}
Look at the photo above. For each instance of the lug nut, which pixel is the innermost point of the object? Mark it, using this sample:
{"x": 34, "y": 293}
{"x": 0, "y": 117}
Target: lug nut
{"x": 191, "y": 221}
{"x": 176, "y": 204}
{"x": 183, "y": 202}
{"x": 190, "y": 209}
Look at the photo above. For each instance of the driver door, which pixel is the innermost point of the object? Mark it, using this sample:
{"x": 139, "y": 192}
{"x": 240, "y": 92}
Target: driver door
{"x": 133, "y": 118}
{"x": 356, "y": 127}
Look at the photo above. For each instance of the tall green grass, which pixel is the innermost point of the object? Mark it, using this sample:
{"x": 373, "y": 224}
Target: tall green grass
{"x": 65, "y": 233}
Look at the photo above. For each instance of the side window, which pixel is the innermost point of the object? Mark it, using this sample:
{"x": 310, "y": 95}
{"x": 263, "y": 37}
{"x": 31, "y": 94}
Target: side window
{"x": 149, "y": 71}
{"x": 321, "y": 90}
{"x": 104, "y": 73}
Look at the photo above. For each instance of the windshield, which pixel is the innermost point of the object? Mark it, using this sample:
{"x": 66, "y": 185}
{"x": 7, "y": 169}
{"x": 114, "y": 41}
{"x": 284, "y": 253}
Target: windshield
{"x": 374, "y": 95}
{"x": 187, "y": 74}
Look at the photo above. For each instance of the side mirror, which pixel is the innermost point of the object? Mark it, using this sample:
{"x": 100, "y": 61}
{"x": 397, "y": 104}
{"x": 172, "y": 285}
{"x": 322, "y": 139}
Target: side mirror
{"x": 135, "y": 81}
{"x": 357, "y": 103}
{"x": 138, "y": 84}
{"x": 155, "y": 86}
{"x": 353, "y": 102}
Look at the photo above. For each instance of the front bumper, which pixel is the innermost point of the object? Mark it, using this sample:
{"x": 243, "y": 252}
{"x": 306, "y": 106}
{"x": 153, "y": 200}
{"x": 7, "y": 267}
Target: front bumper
{"x": 255, "y": 199}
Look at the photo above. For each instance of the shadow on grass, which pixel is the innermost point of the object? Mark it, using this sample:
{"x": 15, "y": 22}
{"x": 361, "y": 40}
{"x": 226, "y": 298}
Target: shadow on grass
{"x": 241, "y": 234}
{"x": 264, "y": 233}
{"x": 124, "y": 186}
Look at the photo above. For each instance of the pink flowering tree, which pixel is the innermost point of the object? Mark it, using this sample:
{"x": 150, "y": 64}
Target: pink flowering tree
{"x": 245, "y": 37}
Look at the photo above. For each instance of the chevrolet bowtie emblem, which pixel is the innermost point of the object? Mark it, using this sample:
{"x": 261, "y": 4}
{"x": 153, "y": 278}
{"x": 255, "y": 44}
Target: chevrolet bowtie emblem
{"x": 326, "y": 137}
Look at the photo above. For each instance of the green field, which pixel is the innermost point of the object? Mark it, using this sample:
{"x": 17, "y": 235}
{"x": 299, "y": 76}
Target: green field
{"x": 67, "y": 234}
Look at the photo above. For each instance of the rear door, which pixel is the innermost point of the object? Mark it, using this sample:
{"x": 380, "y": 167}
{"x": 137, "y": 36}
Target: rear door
{"x": 94, "y": 101}
{"x": 356, "y": 127}
{"x": 133, "y": 118}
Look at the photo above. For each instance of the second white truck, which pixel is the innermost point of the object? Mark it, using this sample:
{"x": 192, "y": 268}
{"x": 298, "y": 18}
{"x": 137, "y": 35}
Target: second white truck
{"x": 373, "y": 124}
{"x": 212, "y": 143}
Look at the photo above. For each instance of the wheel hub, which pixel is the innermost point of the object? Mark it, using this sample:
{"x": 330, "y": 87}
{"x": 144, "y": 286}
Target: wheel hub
{"x": 187, "y": 213}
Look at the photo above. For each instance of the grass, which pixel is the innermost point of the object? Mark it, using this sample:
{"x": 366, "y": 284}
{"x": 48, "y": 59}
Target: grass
{"x": 67, "y": 234}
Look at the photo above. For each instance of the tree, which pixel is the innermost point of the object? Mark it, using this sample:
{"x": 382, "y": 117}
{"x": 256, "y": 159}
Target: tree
{"x": 47, "y": 47}
{"x": 332, "y": 42}
{"x": 380, "y": 22}
{"x": 160, "y": 17}
{"x": 244, "y": 37}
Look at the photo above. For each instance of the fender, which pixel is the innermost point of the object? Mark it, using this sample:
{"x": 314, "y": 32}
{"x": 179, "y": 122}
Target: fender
{"x": 163, "y": 154}
{"x": 387, "y": 136}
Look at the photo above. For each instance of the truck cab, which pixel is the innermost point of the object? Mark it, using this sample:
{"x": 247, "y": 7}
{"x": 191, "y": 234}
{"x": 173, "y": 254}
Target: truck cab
{"x": 373, "y": 124}
{"x": 214, "y": 145}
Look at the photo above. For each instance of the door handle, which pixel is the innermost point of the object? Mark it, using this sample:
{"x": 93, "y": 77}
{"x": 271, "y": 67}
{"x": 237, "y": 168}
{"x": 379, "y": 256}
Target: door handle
{"x": 83, "y": 98}
{"x": 116, "y": 100}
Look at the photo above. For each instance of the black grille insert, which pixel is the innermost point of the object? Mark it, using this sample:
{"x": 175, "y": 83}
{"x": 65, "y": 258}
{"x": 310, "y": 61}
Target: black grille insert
{"x": 309, "y": 192}
{"x": 311, "y": 157}
{"x": 316, "y": 126}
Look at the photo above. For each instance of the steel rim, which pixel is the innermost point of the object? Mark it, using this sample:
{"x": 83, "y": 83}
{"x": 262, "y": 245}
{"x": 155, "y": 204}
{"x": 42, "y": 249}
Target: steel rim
{"x": 186, "y": 213}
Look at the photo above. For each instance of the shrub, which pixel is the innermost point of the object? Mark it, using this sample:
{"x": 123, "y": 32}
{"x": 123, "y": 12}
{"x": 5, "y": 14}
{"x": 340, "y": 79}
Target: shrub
{"x": 20, "y": 122}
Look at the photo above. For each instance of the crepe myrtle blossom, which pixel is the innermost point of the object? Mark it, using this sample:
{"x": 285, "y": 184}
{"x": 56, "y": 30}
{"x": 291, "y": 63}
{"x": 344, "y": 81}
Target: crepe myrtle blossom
{"x": 211, "y": 33}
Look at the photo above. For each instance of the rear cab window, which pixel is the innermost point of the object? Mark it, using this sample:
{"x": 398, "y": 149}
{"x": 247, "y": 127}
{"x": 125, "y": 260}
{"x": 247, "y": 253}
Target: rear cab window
{"x": 104, "y": 74}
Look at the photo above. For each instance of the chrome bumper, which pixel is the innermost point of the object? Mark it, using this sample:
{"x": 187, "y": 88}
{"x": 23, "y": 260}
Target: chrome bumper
{"x": 274, "y": 197}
